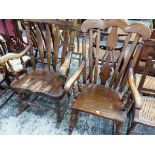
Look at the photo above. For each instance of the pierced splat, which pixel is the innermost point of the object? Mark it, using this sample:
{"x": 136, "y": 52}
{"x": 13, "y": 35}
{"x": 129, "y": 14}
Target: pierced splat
{"x": 109, "y": 56}
{"x": 112, "y": 39}
{"x": 105, "y": 70}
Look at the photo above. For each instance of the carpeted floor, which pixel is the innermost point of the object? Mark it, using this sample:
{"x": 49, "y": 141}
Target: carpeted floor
{"x": 43, "y": 122}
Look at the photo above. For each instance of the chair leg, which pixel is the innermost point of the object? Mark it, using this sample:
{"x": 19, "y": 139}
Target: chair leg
{"x": 133, "y": 125}
{"x": 21, "y": 107}
{"x": 113, "y": 127}
{"x": 130, "y": 116}
{"x": 60, "y": 111}
{"x": 119, "y": 126}
{"x": 73, "y": 120}
{"x": 7, "y": 79}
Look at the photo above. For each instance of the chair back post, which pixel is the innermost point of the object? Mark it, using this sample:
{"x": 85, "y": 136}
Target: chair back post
{"x": 29, "y": 42}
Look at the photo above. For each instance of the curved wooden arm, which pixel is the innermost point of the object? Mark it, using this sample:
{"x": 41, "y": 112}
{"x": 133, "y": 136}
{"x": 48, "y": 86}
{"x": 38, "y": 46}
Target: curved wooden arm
{"x": 65, "y": 66}
{"x": 134, "y": 90}
{"x": 76, "y": 75}
{"x": 6, "y": 58}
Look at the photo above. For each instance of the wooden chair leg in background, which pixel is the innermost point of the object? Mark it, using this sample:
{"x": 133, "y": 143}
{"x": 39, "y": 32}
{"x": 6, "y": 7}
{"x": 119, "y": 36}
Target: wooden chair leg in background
{"x": 21, "y": 106}
{"x": 119, "y": 126}
{"x": 113, "y": 127}
{"x": 4, "y": 88}
{"x": 131, "y": 128}
{"x": 7, "y": 79}
{"x": 73, "y": 120}
{"x": 131, "y": 123}
{"x": 60, "y": 111}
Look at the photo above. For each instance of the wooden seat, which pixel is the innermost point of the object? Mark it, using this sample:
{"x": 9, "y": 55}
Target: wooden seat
{"x": 40, "y": 82}
{"x": 100, "y": 101}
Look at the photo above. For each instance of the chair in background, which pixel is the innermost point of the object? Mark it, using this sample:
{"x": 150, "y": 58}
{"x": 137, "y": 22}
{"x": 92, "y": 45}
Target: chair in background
{"x": 10, "y": 31}
{"x": 11, "y": 43}
{"x": 148, "y": 49}
{"x": 143, "y": 96}
{"x": 100, "y": 94}
{"x": 45, "y": 80}
{"x": 5, "y": 75}
{"x": 16, "y": 68}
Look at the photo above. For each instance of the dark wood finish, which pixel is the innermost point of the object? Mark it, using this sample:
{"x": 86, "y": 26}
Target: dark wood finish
{"x": 99, "y": 95}
{"x": 45, "y": 80}
{"x": 40, "y": 83}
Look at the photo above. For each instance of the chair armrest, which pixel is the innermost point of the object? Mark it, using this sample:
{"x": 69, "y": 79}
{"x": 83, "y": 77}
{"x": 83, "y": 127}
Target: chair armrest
{"x": 76, "y": 75}
{"x": 6, "y": 58}
{"x": 134, "y": 90}
{"x": 65, "y": 66}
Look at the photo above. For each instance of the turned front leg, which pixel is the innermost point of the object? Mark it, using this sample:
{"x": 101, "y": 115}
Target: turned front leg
{"x": 73, "y": 120}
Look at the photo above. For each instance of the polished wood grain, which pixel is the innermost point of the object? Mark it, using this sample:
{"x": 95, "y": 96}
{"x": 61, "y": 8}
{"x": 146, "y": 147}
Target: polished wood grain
{"x": 100, "y": 101}
{"x": 139, "y": 28}
{"x": 76, "y": 75}
{"x": 134, "y": 90}
{"x": 40, "y": 82}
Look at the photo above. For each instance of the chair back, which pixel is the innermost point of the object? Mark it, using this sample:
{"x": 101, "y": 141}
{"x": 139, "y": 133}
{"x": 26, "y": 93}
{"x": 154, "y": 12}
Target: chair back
{"x": 112, "y": 71}
{"x": 45, "y": 34}
{"x": 147, "y": 80}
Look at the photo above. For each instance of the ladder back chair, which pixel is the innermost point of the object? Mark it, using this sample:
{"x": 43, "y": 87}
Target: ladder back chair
{"x": 100, "y": 94}
{"x": 148, "y": 49}
{"x": 143, "y": 96}
{"x": 45, "y": 80}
